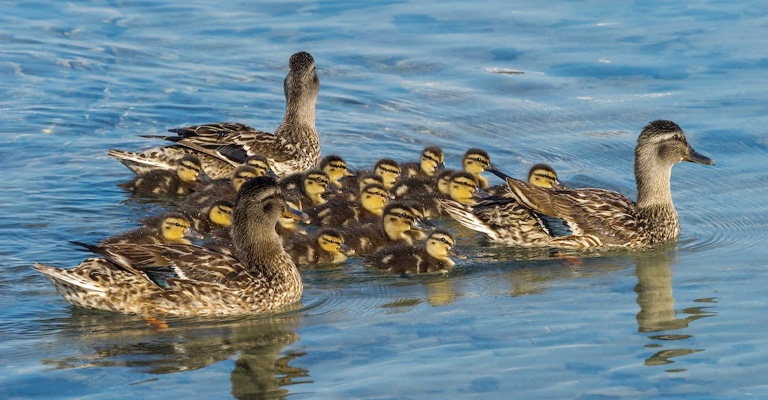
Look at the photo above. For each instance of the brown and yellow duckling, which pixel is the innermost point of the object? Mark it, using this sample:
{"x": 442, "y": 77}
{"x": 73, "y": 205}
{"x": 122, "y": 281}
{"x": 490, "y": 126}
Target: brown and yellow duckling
{"x": 434, "y": 255}
{"x": 430, "y": 163}
{"x": 171, "y": 227}
{"x": 210, "y": 218}
{"x": 186, "y": 178}
{"x": 342, "y": 212}
{"x": 541, "y": 175}
{"x": 393, "y": 228}
{"x": 336, "y": 169}
{"x": 222, "y": 188}
{"x": 599, "y": 217}
{"x": 293, "y": 148}
{"x": 261, "y": 277}
{"x": 323, "y": 247}
{"x": 310, "y": 188}
{"x": 463, "y": 187}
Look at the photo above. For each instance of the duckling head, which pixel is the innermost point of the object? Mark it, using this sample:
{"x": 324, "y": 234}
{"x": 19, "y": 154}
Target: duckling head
{"x": 660, "y": 146}
{"x": 369, "y": 179}
{"x": 443, "y": 179}
{"x": 374, "y": 198}
{"x": 462, "y": 187}
{"x": 189, "y": 169}
{"x": 432, "y": 160}
{"x": 220, "y": 213}
{"x": 398, "y": 219}
{"x": 302, "y": 82}
{"x": 389, "y": 171}
{"x": 332, "y": 241}
{"x": 314, "y": 184}
{"x": 288, "y": 221}
{"x": 542, "y": 175}
{"x": 242, "y": 174}
{"x": 261, "y": 164}
{"x": 336, "y": 169}
{"x": 175, "y": 227}
{"x": 440, "y": 246}
{"x": 476, "y": 161}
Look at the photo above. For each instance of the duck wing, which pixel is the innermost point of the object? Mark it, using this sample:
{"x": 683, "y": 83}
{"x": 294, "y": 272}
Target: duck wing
{"x": 606, "y": 214}
{"x": 502, "y": 220}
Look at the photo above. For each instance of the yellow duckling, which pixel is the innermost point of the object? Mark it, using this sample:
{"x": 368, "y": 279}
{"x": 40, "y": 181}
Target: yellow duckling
{"x": 261, "y": 277}
{"x": 541, "y": 175}
{"x": 477, "y": 161}
{"x": 341, "y": 212}
{"x": 389, "y": 171}
{"x": 430, "y": 163}
{"x": 434, "y": 255}
{"x": 599, "y": 217}
{"x": 222, "y": 189}
{"x": 213, "y": 217}
{"x": 397, "y": 220}
{"x": 185, "y": 179}
{"x": 336, "y": 169}
{"x": 462, "y": 187}
{"x": 311, "y": 188}
{"x": 325, "y": 247}
{"x": 172, "y": 227}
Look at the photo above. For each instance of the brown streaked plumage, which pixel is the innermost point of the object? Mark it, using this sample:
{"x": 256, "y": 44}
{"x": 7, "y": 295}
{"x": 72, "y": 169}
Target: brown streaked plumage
{"x": 433, "y": 256}
{"x": 323, "y": 247}
{"x": 261, "y": 276}
{"x": 186, "y": 178}
{"x": 171, "y": 227}
{"x": 393, "y": 228}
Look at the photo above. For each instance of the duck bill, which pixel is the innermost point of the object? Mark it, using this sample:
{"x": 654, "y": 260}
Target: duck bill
{"x": 454, "y": 252}
{"x": 346, "y": 250}
{"x": 698, "y": 158}
{"x": 440, "y": 166}
{"x": 203, "y": 177}
{"x": 422, "y": 224}
{"x": 272, "y": 174}
{"x": 191, "y": 233}
{"x": 295, "y": 214}
{"x": 496, "y": 171}
{"x": 348, "y": 172}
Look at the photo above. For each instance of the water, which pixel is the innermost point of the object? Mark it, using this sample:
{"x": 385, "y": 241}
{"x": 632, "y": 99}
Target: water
{"x": 568, "y": 83}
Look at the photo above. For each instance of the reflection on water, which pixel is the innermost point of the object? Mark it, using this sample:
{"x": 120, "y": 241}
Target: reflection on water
{"x": 261, "y": 371}
{"x": 657, "y": 307}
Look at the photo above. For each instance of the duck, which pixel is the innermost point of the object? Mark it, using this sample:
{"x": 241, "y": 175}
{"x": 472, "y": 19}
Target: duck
{"x": 309, "y": 187}
{"x": 287, "y": 225}
{"x": 604, "y": 218}
{"x": 260, "y": 277}
{"x": 324, "y": 247}
{"x": 392, "y": 228}
{"x": 336, "y": 168}
{"x": 213, "y": 217}
{"x": 434, "y": 255}
{"x": 187, "y": 176}
{"x": 463, "y": 187}
{"x": 342, "y": 212}
{"x": 386, "y": 168}
{"x": 354, "y": 184}
{"x": 476, "y": 161}
{"x": 222, "y": 188}
{"x": 294, "y": 147}
{"x": 171, "y": 227}
{"x": 429, "y": 164}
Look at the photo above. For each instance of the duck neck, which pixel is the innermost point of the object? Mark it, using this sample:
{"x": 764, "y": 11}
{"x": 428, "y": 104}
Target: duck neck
{"x": 654, "y": 197}
{"x": 256, "y": 243}
{"x": 299, "y": 116}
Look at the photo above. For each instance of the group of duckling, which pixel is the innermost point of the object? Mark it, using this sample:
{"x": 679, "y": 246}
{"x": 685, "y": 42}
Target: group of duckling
{"x": 267, "y": 201}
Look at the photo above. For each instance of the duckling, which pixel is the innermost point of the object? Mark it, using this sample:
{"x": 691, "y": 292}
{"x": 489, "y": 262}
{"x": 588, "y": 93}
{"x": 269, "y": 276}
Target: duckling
{"x": 477, "y": 161}
{"x": 391, "y": 229}
{"x": 287, "y": 225}
{"x": 342, "y": 212}
{"x": 261, "y": 277}
{"x": 185, "y": 179}
{"x": 311, "y": 187}
{"x": 215, "y": 216}
{"x": 172, "y": 227}
{"x": 430, "y": 163}
{"x": 293, "y": 148}
{"x": 541, "y": 175}
{"x": 462, "y": 187}
{"x": 354, "y": 185}
{"x": 222, "y": 188}
{"x": 325, "y": 247}
{"x": 434, "y": 255}
{"x": 599, "y": 217}
{"x": 336, "y": 169}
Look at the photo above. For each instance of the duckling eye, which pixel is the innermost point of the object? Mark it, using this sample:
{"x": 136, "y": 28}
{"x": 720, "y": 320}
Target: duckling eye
{"x": 178, "y": 224}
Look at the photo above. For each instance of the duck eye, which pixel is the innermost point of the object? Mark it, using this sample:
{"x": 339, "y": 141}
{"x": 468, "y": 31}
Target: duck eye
{"x": 178, "y": 224}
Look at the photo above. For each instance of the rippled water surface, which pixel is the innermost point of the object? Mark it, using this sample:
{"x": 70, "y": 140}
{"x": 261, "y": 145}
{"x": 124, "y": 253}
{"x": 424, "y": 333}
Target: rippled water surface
{"x": 568, "y": 83}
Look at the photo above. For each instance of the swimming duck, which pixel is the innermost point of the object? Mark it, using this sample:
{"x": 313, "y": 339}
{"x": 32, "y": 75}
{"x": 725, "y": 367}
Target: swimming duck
{"x": 293, "y": 148}
{"x": 171, "y": 227}
{"x": 324, "y": 247}
{"x": 463, "y": 187}
{"x": 217, "y": 215}
{"x": 354, "y": 184}
{"x": 336, "y": 169}
{"x": 541, "y": 175}
{"x": 434, "y": 255}
{"x": 341, "y": 211}
{"x": 222, "y": 188}
{"x": 391, "y": 229}
{"x": 308, "y": 187}
{"x": 389, "y": 171}
{"x": 477, "y": 161}
{"x": 187, "y": 176}
{"x": 430, "y": 163}
{"x": 607, "y": 218}
{"x": 261, "y": 277}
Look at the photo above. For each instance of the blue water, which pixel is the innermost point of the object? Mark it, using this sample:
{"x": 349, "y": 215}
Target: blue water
{"x": 570, "y": 83}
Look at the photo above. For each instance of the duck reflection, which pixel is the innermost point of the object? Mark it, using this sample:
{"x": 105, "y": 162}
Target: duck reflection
{"x": 657, "y": 307}
{"x": 262, "y": 369}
